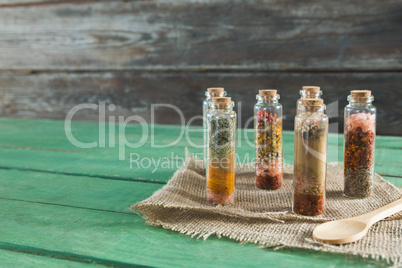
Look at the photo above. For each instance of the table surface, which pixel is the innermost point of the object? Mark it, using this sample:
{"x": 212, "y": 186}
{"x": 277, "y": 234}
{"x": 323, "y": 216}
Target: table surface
{"x": 69, "y": 206}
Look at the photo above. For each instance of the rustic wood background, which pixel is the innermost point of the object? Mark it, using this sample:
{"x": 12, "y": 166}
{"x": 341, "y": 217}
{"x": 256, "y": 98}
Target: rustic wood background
{"x": 57, "y": 54}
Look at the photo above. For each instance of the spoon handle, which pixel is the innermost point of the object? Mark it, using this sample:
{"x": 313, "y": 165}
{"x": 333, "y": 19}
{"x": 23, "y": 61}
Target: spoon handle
{"x": 381, "y": 213}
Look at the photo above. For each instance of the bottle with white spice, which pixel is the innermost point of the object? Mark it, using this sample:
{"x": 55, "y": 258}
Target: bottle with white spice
{"x": 310, "y": 158}
{"x": 308, "y": 92}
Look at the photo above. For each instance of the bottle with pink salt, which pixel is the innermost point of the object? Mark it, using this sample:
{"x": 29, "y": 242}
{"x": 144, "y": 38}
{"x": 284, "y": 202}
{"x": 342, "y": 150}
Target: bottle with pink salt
{"x": 359, "y": 134}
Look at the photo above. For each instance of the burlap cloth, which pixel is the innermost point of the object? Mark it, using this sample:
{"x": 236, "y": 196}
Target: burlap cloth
{"x": 265, "y": 217}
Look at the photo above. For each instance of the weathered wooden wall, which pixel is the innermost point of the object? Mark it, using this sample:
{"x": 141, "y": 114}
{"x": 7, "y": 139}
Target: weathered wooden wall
{"x": 57, "y": 54}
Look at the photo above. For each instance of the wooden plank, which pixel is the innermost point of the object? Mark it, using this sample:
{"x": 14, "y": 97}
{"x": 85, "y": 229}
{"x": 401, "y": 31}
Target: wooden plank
{"x": 81, "y": 191}
{"x": 10, "y": 258}
{"x": 42, "y": 146}
{"x": 125, "y": 239}
{"x": 73, "y": 191}
{"x": 389, "y": 142}
{"x": 13, "y": 3}
{"x": 395, "y": 180}
{"x": 105, "y": 165}
{"x": 133, "y": 93}
{"x": 202, "y": 35}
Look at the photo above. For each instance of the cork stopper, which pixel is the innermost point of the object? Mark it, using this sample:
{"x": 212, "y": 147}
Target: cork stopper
{"x": 221, "y": 99}
{"x": 312, "y": 102}
{"x": 268, "y": 94}
{"x": 215, "y": 89}
{"x": 222, "y": 102}
{"x": 311, "y": 89}
{"x": 360, "y": 93}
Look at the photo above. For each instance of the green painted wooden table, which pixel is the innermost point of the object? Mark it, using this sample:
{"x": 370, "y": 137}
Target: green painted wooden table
{"x": 68, "y": 206}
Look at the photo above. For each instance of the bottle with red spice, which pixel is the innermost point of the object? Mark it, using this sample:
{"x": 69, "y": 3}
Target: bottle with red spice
{"x": 359, "y": 134}
{"x": 310, "y": 158}
{"x": 268, "y": 140}
{"x": 209, "y": 94}
{"x": 308, "y": 92}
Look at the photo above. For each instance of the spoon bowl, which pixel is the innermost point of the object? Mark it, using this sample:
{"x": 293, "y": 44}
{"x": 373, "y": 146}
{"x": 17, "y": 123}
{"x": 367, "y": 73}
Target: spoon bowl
{"x": 340, "y": 231}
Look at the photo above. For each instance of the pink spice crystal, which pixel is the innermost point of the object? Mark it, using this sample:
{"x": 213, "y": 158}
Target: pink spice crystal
{"x": 365, "y": 121}
{"x": 302, "y": 183}
{"x": 219, "y": 199}
{"x": 274, "y": 168}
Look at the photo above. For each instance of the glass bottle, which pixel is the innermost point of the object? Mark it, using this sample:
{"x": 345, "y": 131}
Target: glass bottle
{"x": 310, "y": 158}
{"x": 308, "y": 92}
{"x": 359, "y": 138}
{"x": 268, "y": 140}
{"x": 209, "y": 94}
{"x": 221, "y": 151}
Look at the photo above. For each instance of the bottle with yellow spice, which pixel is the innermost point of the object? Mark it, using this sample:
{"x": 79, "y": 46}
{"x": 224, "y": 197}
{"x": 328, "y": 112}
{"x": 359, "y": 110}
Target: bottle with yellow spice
{"x": 268, "y": 140}
{"x": 221, "y": 151}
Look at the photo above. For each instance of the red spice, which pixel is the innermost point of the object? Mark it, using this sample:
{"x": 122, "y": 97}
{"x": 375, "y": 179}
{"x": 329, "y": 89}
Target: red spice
{"x": 265, "y": 118}
{"x": 359, "y": 149}
{"x": 269, "y": 182}
{"x": 308, "y": 204}
{"x": 359, "y": 161}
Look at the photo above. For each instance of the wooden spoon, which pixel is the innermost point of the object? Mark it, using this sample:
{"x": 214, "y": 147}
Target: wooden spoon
{"x": 349, "y": 230}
